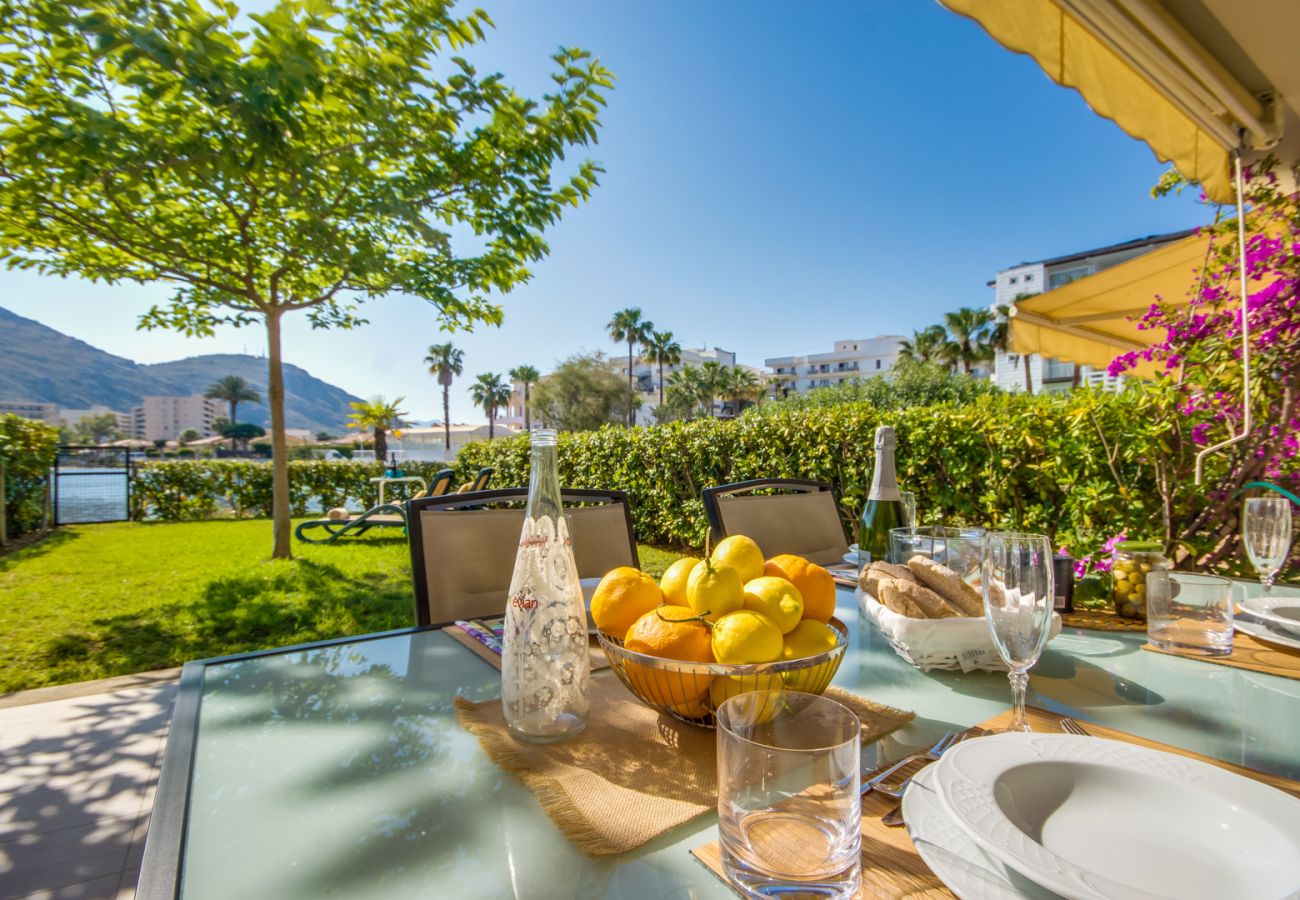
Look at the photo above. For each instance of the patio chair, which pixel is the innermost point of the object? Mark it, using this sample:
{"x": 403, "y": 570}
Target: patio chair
{"x": 463, "y": 546}
{"x": 792, "y": 515}
{"x": 327, "y": 529}
{"x": 478, "y": 483}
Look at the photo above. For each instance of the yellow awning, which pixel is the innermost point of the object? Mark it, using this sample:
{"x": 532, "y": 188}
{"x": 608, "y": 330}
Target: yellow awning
{"x": 1091, "y": 321}
{"x": 1192, "y": 82}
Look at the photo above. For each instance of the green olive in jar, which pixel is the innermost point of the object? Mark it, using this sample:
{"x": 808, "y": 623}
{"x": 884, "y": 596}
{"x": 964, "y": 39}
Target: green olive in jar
{"x": 1131, "y": 562}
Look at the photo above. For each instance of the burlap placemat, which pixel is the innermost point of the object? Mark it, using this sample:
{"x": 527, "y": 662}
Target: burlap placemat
{"x": 632, "y": 774}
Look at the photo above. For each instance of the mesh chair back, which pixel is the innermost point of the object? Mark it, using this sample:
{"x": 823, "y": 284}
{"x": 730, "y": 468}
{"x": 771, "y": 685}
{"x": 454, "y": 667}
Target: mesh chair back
{"x": 463, "y": 547}
{"x": 804, "y": 520}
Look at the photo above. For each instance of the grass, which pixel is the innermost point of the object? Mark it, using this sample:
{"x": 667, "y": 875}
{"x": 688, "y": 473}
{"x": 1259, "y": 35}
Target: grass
{"x": 94, "y": 601}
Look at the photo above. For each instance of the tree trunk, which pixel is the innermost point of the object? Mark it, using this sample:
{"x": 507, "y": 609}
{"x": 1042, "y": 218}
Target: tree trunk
{"x": 233, "y": 404}
{"x": 381, "y": 446}
{"x": 631, "y": 413}
{"x": 446, "y": 415}
{"x": 491, "y": 427}
{"x": 1076, "y": 377}
{"x": 528, "y": 421}
{"x": 279, "y": 452}
{"x": 1029, "y": 382}
{"x": 661, "y": 382}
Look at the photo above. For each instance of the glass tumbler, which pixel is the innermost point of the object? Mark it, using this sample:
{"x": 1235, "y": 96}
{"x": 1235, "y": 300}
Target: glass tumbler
{"x": 789, "y": 808}
{"x": 960, "y": 549}
{"x": 1189, "y": 613}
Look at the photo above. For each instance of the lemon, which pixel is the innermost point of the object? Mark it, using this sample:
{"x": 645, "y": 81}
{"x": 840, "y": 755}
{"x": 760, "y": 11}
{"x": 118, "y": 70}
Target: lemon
{"x": 673, "y": 584}
{"x": 777, "y": 599}
{"x": 745, "y": 636}
{"x": 725, "y": 687}
{"x": 713, "y": 590}
{"x": 809, "y": 638}
{"x": 624, "y": 595}
{"x": 742, "y": 554}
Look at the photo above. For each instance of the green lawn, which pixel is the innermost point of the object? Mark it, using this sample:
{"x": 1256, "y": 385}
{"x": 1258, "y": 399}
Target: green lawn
{"x": 99, "y": 600}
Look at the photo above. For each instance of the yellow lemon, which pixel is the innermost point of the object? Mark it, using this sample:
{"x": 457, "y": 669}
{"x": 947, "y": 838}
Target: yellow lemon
{"x": 727, "y": 686}
{"x": 815, "y": 584}
{"x": 714, "y": 591}
{"x": 742, "y": 554}
{"x": 809, "y": 638}
{"x": 745, "y": 636}
{"x": 777, "y": 599}
{"x": 624, "y": 595}
{"x": 673, "y": 584}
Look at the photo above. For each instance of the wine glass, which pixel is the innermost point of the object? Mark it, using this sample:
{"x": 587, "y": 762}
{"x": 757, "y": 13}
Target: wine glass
{"x": 908, "y": 500}
{"x": 1018, "y": 602}
{"x": 1266, "y": 531}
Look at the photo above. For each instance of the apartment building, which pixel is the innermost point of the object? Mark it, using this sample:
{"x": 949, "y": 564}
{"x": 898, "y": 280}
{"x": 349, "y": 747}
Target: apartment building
{"x": 849, "y": 359}
{"x": 41, "y": 412}
{"x": 167, "y": 418}
{"x": 1047, "y": 375}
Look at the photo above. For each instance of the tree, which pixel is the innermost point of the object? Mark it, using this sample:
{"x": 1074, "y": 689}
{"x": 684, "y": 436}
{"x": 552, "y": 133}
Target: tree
{"x": 685, "y": 396}
{"x": 527, "y": 376}
{"x": 307, "y": 158}
{"x": 240, "y": 432}
{"x": 663, "y": 350}
{"x": 188, "y": 435}
{"x": 969, "y": 331}
{"x": 713, "y": 381}
{"x": 740, "y": 385}
{"x": 627, "y": 325}
{"x": 96, "y": 429}
{"x": 490, "y": 393}
{"x": 445, "y": 360}
{"x": 380, "y": 417}
{"x": 925, "y": 346}
{"x": 234, "y": 390}
{"x": 580, "y": 395}
{"x": 908, "y": 384}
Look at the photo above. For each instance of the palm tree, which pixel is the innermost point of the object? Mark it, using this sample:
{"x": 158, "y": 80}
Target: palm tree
{"x": 445, "y": 360}
{"x": 627, "y": 325}
{"x": 686, "y": 390}
{"x": 490, "y": 393}
{"x": 663, "y": 350}
{"x": 379, "y": 416}
{"x": 969, "y": 327}
{"x": 713, "y": 381}
{"x": 528, "y": 375}
{"x": 234, "y": 390}
{"x": 1000, "y": 337}
{"x": 740, "y": 385}
{"x": 925, "y": 346}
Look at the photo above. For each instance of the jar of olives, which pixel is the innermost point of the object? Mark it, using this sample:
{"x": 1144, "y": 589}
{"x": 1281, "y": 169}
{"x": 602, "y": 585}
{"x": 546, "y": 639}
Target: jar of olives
{"x": 1130, "y": 563}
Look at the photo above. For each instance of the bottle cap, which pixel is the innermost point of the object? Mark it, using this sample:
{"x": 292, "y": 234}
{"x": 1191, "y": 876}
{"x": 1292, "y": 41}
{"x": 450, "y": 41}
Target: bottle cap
{"x": 884, "y": 437}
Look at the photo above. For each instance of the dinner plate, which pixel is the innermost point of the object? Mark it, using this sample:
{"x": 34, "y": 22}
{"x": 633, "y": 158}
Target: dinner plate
{"x": 852, "y": 558}
{"x": 1093, "y": 818}
{"x": 1276, "y": 609}
{"x": 960, "y": 864}
{"x": 1267, "y": 631}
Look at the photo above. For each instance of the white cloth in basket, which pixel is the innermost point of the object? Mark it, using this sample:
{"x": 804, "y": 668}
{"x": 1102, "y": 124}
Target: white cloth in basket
{"x": 954, "y": 643}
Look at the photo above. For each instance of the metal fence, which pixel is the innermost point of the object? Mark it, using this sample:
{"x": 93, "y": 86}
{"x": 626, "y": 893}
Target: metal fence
{"x": 92, "y": 484}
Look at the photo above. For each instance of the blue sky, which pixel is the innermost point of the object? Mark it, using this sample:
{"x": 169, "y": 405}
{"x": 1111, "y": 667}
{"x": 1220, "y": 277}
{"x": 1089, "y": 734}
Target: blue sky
{"x": 779, "y": 176}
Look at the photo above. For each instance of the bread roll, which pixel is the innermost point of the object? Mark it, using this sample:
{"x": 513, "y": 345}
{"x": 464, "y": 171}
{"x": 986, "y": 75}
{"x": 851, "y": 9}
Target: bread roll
{"x": 915, "y": 600}
{"x": 877, "y": 571}
{"x": 963, "y": 598}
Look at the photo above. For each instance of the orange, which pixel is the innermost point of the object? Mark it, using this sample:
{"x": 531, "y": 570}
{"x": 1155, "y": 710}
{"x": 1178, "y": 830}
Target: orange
{"x": 814, "y": 583}
{"x": 624, "y": 595}
{"x": 666, "y": 633}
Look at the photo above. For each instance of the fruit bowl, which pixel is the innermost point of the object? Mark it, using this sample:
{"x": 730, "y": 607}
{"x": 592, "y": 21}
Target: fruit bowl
{"x": 690, "y": 691}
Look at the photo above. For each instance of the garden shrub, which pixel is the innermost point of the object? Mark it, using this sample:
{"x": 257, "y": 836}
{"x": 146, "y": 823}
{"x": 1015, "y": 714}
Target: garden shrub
{"x": 27, "y": 448}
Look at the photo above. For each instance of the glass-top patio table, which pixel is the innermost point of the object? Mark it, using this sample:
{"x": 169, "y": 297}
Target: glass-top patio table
{"x": 340, "y": 769}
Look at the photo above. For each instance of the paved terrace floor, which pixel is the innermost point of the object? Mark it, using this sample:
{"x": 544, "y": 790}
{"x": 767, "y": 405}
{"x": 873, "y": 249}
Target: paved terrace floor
{"x": 78, "y": 768}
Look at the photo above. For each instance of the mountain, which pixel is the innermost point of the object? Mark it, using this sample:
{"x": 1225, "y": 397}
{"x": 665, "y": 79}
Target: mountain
{"x": 40, "y": 364}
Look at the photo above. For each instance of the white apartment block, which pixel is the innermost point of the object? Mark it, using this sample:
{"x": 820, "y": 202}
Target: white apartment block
{"x": 853, "y": 358}
{"x": 26, "y": 409}
{"x": 1048, "y": 375}
{"x": 167, "y": 418}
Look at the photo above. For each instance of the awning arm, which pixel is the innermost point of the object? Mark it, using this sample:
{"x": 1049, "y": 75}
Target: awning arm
{"x": 1036, "y": 318}
{"x": 1245, "y": 326}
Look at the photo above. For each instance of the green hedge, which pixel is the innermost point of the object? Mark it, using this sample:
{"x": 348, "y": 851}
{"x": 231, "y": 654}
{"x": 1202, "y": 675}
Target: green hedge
{"x": 1040, "y": 463}
{"x": 202, "y": 489}
{"x": 27, "y": 448}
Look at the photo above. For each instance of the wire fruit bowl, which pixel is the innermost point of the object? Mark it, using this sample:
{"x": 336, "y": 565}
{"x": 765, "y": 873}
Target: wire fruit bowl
{"x": 690, "y": 691}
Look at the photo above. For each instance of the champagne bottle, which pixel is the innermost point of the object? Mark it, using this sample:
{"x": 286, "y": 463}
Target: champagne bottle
{"x": 884, "y": 509}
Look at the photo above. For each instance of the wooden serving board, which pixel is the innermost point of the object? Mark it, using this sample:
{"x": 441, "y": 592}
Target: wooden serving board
{"x": 891, "y": 867}
{"x": 1248, "y": 653}
{"x": 598, "y": 658}
{"x": 1101, "y": 620}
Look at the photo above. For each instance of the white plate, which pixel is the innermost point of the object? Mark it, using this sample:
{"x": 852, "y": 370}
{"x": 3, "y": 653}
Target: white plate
{"x": 1105, "y": 820}
{"x": 1277, "y": 609}
{"x": 1266, "y": 631}
{"x": 852, "y": 557}
{"x": 954, "y": 857}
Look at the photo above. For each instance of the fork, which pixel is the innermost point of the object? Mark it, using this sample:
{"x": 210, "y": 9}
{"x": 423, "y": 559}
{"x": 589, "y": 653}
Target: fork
{"x": 877, "y": 781}
{"x": 1069, "y": 726}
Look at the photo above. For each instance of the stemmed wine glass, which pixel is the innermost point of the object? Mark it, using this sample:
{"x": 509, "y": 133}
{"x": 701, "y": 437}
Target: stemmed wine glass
{"x": 1266, "y": 531}
{"x": 1018, "y": 594}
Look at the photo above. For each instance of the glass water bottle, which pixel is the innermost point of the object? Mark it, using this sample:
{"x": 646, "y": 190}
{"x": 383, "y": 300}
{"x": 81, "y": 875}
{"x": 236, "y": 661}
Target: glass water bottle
{"x": 545, "y": 667}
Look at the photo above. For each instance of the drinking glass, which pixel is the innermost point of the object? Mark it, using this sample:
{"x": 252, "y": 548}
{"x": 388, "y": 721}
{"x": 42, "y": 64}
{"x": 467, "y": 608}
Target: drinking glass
{"x": 1018, "y": 601}
{"x": 1189, "y": 613}
{"x": 960, "y": 549}
{"x": 1266, "y": 532}
{"x": 789, "y": 808}
{"x": 908, "y": 500}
